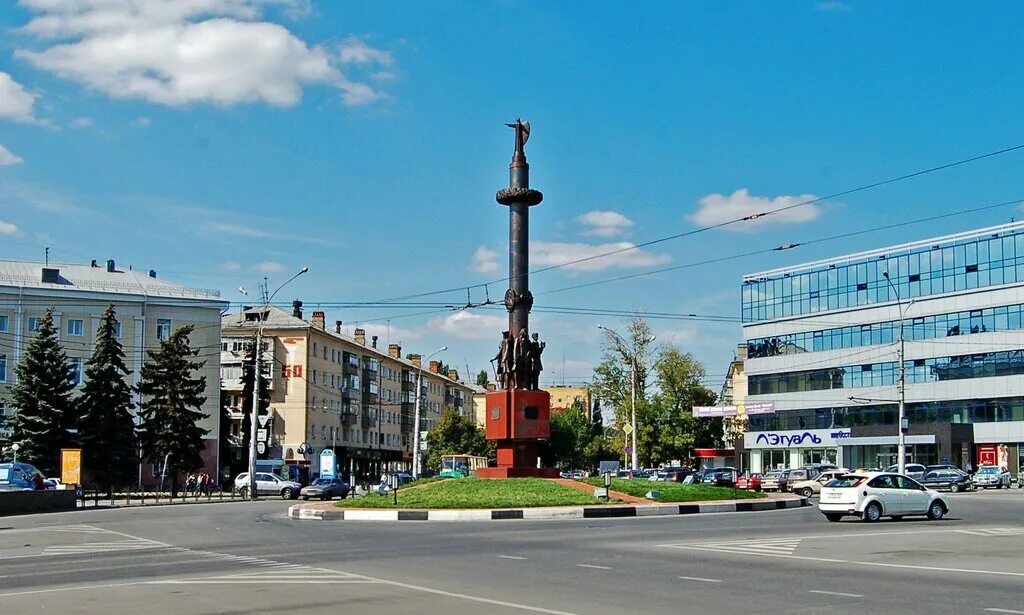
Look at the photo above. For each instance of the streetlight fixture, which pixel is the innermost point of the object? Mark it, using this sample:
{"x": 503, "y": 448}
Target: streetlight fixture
{"x": 416, "y": 458}
{"x": 623, "y": 347}
{"x": 15, "y": 447}
{"x": 901, "y": 447}
{"x": 258, "y": 359}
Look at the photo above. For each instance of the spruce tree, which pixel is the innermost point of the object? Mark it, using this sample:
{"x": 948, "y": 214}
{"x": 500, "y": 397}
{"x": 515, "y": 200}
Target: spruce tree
{"x": 108, "y": 430}
{"x": 170, "y": 410}
{"x": 45, "y": 410}
{"x": 248, "y": 384}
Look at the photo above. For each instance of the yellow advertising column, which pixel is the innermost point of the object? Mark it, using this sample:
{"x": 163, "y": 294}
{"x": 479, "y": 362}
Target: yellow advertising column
{"x": 71, "y": 466}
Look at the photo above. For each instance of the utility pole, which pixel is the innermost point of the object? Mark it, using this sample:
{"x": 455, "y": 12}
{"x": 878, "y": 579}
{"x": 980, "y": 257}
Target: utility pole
{"x": 258, "y": 359}
{"x": 633, "y": 358}
{"x": 901, "y": 386}
{"x": 417, "y": 461}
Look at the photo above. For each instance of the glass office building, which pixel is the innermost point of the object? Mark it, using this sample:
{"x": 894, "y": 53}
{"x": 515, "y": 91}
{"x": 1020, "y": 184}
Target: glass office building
{"x": 822, "y": 343}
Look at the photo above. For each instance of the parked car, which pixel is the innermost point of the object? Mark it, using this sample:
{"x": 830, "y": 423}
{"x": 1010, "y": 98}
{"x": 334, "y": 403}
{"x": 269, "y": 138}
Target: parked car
{"x": 18, "y": 476}
{"x": 52, "y": 484}
{"x": 710, "y": 474}
{"x": 754, "y": 482}
{"x": 873, "y": 495}
{"x": 913, "y": 470}
{"x": 268, "y": 484}
{"x": 953, "y": 480}
{"x": 773, "y": 480}
{"x": 325, "y": 489}
{"x": 942, "y": 466}
{"x": 809, "y": 488}
{"x": 992, "y": 476}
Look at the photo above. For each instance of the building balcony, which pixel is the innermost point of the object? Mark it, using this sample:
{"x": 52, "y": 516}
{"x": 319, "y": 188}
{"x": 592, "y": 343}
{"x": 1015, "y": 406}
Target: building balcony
{"x": 367, "y": 417}
{"x": 350, "y": 394}
{"x": 349, "y": 418}
{"x": 350, "y": 369}
{"x": 408, "y": 386}
{"x": 369, "y": 398}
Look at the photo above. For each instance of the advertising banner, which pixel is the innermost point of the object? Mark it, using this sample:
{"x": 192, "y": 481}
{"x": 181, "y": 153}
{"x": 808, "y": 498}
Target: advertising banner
{"x": 703, "y": 412}
{"x": 71, "y": 466}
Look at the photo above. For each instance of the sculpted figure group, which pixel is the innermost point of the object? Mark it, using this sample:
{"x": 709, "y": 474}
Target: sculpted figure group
{"x": 518, "y": 361}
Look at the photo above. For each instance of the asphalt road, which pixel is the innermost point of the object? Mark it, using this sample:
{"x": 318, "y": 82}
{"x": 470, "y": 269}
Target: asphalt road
{"x": 249, "y": 558}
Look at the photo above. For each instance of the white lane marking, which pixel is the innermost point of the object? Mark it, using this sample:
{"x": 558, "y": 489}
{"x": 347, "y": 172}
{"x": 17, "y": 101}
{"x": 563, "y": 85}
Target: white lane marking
{"x": 871, "y": 564}
{"x": 594, "y": 566}
{"x": 755, "y": 547}
{"x": 994, "y": 531}
{"x": 701, "y": 579}
{"x": 844, "y": 595}
{"x": 70, "y": 589}
{"x": 826, "y": 536}
{"x": 510, "y": 557}
{"x": 1012, "y": 612}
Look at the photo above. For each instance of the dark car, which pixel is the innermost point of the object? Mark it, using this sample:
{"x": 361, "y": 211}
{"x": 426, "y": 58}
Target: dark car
{"x": 325, "y": 489}
{"x": 674, "y": 474}
{"x": 954, "y": 480}
{"x": 722, "y": 477}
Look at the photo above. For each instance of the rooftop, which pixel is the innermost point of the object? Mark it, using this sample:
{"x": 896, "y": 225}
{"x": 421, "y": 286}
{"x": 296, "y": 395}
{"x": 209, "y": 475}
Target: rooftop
{"x": 278, "y": 318}
{"x": 72, "y": 276}
{"x": 1011, "y": 228}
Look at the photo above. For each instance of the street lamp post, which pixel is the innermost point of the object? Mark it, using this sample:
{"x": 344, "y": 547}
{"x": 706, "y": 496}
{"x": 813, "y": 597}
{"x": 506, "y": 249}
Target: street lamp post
{"x": 901, "y": 447}
{"x": 258, "y": 357}
{"x": 15, "y": 447}
{"x": 633, "y": 358}
{"x": 416, "y": 459}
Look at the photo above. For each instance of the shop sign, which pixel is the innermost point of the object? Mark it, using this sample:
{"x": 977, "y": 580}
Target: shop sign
{"x": 808, "y": 438}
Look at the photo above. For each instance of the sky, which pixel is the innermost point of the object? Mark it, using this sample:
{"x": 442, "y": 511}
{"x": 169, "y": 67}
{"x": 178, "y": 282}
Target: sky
{"x": 224, "y": 141}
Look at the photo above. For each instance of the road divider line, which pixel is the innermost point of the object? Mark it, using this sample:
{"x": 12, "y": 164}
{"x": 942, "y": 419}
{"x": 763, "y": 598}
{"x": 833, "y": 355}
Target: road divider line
{"x": 701, "y": 579}
{"x": 594, "y": 566}
{"x": 828, "y": 593}
{"x": 516, "y": 557}
{"x": 1010, "y": 611}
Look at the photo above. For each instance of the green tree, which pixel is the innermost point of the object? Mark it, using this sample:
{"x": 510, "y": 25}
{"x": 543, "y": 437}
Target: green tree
{"x": 455, "y": 434}
{"x": 248, "y": 384}
{"x": 108, "y": 430}
{"x": 483, "y": 378}
{"x": 571, "y": 435}
{"x": 673, "y": 432}
{"x": 170, "y": 411}
{"x": 627, "y": 358}
{"x": 42, "y": 396}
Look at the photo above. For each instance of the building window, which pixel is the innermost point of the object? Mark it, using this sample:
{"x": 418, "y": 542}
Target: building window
{"x": 76, "y": 370}
{"x": 3, "y": 323}
{"x": 3, "y": 368}
{"x": 117, "y": 330}
{"x": 76, "y": 327}
{"x": 314, "y": 348}
{"x": 312, "y": 432}
{"x": 163, "y": 329}
{"x": 33, "y": 324}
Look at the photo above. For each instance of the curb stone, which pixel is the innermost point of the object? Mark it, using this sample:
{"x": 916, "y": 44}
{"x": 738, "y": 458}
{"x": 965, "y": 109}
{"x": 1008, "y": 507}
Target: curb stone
{"x": 304, "y": 513}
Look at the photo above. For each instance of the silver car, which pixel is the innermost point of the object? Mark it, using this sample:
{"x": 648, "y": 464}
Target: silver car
{"x": 268, "y": 484}
{"x": 992, "y": 476}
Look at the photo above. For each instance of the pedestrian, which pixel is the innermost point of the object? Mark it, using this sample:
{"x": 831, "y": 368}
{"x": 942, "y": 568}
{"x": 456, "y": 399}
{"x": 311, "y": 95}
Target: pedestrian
{"x": 969, "y": 468}
{"x": 38, "y": 481}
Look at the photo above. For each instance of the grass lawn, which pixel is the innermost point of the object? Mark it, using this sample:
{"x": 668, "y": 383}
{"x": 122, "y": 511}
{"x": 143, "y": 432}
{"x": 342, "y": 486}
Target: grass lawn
{"x": 479, "y": 493}
{"x": 675, "y": 492}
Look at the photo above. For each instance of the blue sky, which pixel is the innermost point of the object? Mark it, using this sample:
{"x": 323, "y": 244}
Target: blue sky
{"x": 218, "y": 141}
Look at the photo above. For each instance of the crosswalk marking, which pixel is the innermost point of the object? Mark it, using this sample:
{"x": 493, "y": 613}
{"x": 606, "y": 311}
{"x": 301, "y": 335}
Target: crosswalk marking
{"x": 780, "y": 546}
{"x": 103, "y": 547}
{"x": 994, "y": 531}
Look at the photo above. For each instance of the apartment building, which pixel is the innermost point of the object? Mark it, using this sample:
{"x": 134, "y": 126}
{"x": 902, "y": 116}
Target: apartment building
{"x": 822, "y": 345}
{"x": 564, "y": 397}
{"x": 148, "y": 310}
{"x": 329, "y": 390}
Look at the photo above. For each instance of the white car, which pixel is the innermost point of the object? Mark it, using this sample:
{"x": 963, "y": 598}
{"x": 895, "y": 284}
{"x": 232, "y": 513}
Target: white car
{"x": 873, "y": 495}
{"x": 992, "y": 476}
{"x": 268, "y": 484}
{"x": 807, "y": 488}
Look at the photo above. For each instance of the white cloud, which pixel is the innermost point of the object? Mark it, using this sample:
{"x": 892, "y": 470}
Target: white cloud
{"x": 600, "y": 223}
{"x": 626, "y": 255}
{"x": 81, "y": 122}
{"x": 268, "y": 267}
{"x": 187, "y": 51}
{"x": 7, "y": 228}
{"x": 230, "y": 266}
{"x": 141, "y": 121}
{"x": 467, "y": 325}
{"x": 717, "y": 208}
{"x": 15, "y": 102}
{"x": 244, "y": 230}
{"x": 484, "y": 260}
{"x": 8, "y": 158}
{"x": 388, "y": 334}
{"x": 833, "y": 6}
{"x": 354, "y": 50}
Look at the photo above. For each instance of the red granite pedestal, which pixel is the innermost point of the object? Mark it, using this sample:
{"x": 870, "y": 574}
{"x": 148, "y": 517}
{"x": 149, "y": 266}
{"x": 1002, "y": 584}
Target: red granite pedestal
{"x": 517, "y": 420}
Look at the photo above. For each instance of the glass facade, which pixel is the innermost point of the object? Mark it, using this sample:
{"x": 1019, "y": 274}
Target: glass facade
{"x": 1004, "y": 318}
{"x": 945, "y": 411}
{"x": 982, "y": 365}
{"x": 988, "y": 259}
